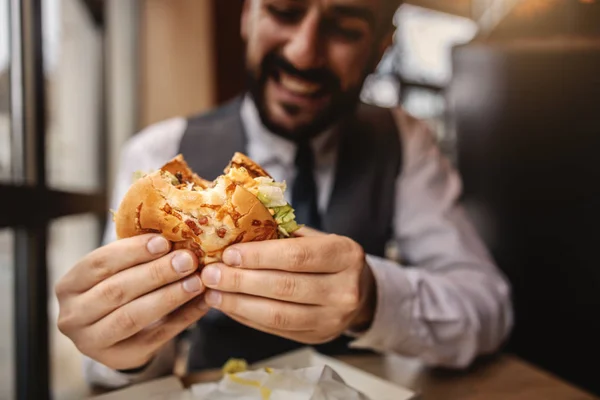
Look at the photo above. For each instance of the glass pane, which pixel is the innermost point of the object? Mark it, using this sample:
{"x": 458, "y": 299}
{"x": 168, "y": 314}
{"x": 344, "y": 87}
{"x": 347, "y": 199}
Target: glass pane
{"x": 73, "y": 65}
{"x": 431, "y": 107}
{"x": 5, "y": 167}
{"x": 381, "y": 90}
{"x": 70, "y": 238}
{"x": 423, "y": 43}
{"x": 7, "y": 345}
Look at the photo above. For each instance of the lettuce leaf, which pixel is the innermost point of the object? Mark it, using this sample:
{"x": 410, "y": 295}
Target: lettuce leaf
{"x": 286, "y": 220}
{"x": 270, "y": 193}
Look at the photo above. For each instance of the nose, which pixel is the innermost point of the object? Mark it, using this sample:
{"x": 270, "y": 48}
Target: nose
{"x": 304, "y": 49}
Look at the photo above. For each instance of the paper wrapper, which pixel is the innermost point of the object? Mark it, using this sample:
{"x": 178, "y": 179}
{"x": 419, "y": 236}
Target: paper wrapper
{"x": 312, "y": 383}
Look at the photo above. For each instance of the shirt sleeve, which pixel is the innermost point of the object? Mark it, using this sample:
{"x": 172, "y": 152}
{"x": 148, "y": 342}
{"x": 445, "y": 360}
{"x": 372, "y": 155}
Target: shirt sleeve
{"x": 98, "y": 374}
{"x": 146, "y": 151}
{"x": 447, "y": 302}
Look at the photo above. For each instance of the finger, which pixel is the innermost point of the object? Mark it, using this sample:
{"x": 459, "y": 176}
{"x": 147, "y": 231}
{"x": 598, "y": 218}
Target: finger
{"x": 306, "y": 231}
{"x": 106, "y": 261}
{"x": 272, "y": 314}
{"x": 132, "y": 283}
{"x": 279, "y": 285}
{"x": 314, "y": 254}
{"x": 307, "y": 337}
{"x": 147, "y": 342}
{"x": 131, "y": 318}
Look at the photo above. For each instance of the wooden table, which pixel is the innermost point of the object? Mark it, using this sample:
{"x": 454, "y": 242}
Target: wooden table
{"x": 502, "y": 377}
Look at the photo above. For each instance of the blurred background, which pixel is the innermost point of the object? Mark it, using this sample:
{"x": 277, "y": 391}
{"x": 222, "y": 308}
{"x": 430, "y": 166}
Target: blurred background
{"x": 511, "y": 87}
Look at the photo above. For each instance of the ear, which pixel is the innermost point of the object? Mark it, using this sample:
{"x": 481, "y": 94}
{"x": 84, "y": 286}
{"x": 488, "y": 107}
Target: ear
{"x": 245, "y": 19}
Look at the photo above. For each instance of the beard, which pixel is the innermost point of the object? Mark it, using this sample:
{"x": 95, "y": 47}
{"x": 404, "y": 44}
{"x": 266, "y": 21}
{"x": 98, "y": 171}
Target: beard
{"x": 341, "y": 102}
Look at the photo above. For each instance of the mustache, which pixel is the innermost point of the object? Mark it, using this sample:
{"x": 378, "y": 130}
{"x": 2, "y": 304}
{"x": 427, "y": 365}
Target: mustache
{"x": 275, "y": 62}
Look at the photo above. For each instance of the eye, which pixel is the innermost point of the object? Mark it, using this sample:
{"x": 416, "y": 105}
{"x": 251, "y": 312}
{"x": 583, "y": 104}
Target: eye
{"x": 350, "y": 34}
{"x": 286, "y": 15}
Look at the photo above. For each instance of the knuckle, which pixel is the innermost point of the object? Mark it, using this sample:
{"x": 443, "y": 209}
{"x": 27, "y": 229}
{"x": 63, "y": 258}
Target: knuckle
{"x": 84, "y": 347}
{"x": 60, "y": 289}
{"x": 350, "y": 298}
{"x": 125, "y": 322}
{"x": 298, "y": 255}
{"x": 188, "y": 317}
{"x": 100, "y": 268}
{"x": 324, "y": 338}
{"x": 157, "y": 274}
{"x": 319, "y": 338}
{"x": 236, "y": 280}
{"x": 286, "y": 286}
{"x": 356, "y": 251}
{"x": 85, "y": 343}
{"x": 113, "y": 293}
{"x": 334, "y": 324}
{"x": 231, "y": 304}
{"x": 64, "y": 323}
{"x": 351, "y": 248}
{"x": 278, "y": 319}
{"x": 172, "y": 297}
{"x": 250, "y": 258}
{"x": 67, "y": 320}
{"x": 159, "y": 335}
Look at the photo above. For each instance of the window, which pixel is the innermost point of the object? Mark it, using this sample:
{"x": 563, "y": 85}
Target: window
{"x": 417, "y": 68}
{"x": 51, "y": 149}
{"x": 73, "y": 78}
{"x": 7, "y": 264}
{"x": 5, "y": 158}
{"x": 69, "y": 239}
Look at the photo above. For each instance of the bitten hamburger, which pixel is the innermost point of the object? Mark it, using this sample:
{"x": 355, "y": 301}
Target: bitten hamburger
{"x": 244, "y": 204}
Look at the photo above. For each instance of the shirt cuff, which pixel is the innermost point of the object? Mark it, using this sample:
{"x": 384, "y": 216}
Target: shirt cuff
{"x": 100, "y": 375}
{"x": 392, "y": 319}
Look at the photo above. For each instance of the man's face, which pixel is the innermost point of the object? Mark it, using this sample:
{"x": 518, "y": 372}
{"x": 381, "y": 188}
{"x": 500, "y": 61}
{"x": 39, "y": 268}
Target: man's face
{"x": 307, "y": 59}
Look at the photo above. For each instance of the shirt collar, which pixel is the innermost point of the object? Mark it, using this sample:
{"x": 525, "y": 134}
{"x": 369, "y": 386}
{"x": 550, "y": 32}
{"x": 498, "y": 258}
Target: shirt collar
{"x": 267, "y": 148}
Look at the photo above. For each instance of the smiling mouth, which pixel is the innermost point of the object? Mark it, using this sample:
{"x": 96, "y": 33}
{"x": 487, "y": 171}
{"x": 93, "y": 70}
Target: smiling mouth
{"x": 299, "y": 86}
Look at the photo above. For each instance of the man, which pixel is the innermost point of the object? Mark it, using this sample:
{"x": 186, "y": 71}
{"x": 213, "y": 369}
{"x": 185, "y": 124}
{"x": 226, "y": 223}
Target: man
{"x": 368, "y": 175}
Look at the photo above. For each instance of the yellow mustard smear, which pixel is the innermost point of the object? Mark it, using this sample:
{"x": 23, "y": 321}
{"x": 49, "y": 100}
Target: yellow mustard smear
{"x": 265, "y": 393}
{"x": 234, "y": 366}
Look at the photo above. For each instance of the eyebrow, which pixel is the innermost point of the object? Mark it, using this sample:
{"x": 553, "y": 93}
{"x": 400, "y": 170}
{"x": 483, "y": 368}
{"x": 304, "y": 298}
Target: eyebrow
{"x": 355, "y": 12}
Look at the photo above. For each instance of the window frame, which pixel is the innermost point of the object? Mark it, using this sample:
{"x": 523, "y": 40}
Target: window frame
{"x": 32, "y": 204}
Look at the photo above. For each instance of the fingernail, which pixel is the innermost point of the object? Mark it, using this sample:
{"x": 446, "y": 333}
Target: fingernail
{"x": 232, "y": 257}
{"x": 192, "y": 284}
{"x": 211, "y": 275}
{"x": 182, "y": 263}
{"x": 157, "y": 245}
{"x": 213, "y": 298}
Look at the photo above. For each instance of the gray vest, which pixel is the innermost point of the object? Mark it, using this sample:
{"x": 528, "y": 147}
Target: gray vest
{"x": 361, "y": 207}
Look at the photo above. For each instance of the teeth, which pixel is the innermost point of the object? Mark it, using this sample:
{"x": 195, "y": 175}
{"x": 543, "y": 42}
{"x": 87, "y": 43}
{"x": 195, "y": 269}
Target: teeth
{"x": 299, "y": 86}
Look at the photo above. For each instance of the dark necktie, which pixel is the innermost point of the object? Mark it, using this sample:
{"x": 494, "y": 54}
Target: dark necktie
{"x": 304, "y": 190}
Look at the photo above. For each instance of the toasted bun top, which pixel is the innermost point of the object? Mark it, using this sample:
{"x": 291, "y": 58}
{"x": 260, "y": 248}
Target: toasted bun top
{"x": 240, "y": 160}
{"x": 202, "y": 216}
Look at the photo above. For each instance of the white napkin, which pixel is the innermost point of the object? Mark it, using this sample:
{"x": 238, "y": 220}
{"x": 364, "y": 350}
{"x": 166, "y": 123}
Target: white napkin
{"x": 313, "y": 383}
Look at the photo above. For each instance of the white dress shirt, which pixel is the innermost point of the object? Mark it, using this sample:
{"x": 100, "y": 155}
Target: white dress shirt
{"x": 448, "y": 306}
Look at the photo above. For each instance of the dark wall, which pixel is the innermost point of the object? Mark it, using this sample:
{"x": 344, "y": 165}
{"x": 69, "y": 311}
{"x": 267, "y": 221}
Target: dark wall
{"x": 229, "y": 49}
{"x": 528, "y": 126}
{"x": 566, "y": 18}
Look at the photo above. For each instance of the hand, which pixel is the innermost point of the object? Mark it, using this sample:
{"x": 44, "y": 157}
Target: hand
{"x": 309, "y": 289}
{"x": 121, "y": 303}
